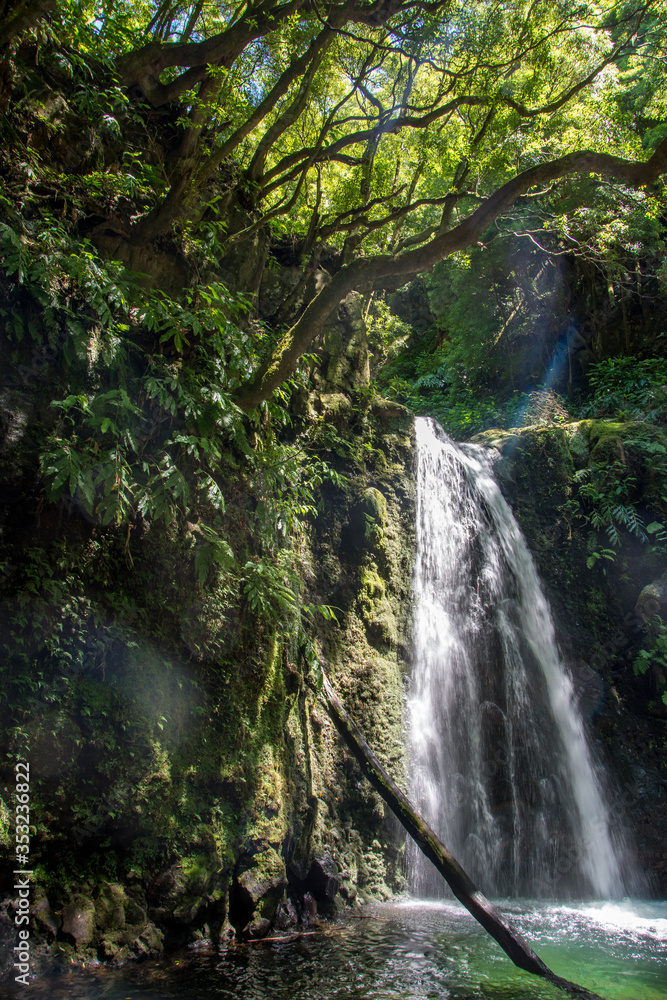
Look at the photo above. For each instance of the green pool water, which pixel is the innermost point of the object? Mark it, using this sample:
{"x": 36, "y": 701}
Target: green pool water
{"x": 411, "y": 949}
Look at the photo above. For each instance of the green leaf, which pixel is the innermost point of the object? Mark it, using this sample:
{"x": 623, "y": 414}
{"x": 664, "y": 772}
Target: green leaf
{"x": 85, "y": 485}
{"x": 204, "y": 559}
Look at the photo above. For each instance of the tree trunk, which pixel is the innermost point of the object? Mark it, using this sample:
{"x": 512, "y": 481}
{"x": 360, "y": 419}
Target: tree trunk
{"x": 459, "y": 882}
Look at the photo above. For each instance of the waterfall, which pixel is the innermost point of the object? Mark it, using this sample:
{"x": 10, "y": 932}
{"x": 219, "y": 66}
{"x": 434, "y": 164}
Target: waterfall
{"x": 500, "y": 763}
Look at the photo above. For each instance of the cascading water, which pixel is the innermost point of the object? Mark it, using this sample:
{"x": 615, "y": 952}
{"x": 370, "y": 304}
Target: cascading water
{"x": 500, "y": 763}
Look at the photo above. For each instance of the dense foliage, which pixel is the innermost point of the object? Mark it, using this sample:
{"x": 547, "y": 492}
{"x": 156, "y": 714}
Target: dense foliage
{"x": 510, "y": 319}
{"x": 376, "y": 139}
{"x": 160, "y": 156}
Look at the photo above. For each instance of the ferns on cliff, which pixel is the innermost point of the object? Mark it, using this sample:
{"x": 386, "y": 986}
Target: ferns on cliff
{"x": 143, "y": 428}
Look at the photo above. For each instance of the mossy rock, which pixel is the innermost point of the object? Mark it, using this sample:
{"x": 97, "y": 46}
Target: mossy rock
{"x": 376, "y": 610}
{"x": 375, "y": 506}
{"x": 578, "y": 441}
{"x": 110, "y": 908}
{"x": 389, "y": 410}
{"x": 336, "y": 407}
{"x": 373, "y": 587}
{"x": 608, "y": 450}
{"x": 43, "y": 916}
{"x": 382, "y": 625}
{"x": 365, "y": 529}
{"x": 180, "y": 891}
{"x": 256, "y": 893}
{"x": 78, "y": 920}
{"x": 345, "y": 348}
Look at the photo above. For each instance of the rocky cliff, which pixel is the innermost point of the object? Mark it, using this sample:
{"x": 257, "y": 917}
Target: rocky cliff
{"x": 185, "y": 779}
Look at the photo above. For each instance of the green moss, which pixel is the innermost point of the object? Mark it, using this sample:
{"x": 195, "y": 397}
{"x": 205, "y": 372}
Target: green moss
{"x": 372, "y": 586}
{"x": 5, "y": 825}
{"x": 335, "y": 406}
{"x": 376, "y": 609}
{"x": 373, "y": 872}
{"x": 578, "y": 442}
{"x": 375, "y": 506}
{"x": 269, "y": 866}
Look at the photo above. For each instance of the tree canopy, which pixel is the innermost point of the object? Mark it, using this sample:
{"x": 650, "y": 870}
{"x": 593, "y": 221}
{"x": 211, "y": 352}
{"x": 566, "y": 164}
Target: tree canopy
{"x": 384, "y": 135}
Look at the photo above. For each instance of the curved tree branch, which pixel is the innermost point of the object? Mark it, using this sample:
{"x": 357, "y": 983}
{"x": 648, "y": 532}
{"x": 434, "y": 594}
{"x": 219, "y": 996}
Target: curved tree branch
{"x": 367, "y": 273}
{"x": 296, "y": 108}
{"x": 188, "y": 174}
{"x": 143, "y": 67}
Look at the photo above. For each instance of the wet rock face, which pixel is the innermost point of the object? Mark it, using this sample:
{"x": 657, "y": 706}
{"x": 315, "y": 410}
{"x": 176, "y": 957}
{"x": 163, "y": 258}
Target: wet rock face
{"x": 309, "y": 909}
{"x": 319, "y": 881}
{"x": 104, "y": 923}
{"x": 107, "y": 924}
{"x": 310, "y": 806}
{"x": 589, "y": 688}
{"x": 322, "y": 880}
{"x": 189, "y": 893}
{"x": 46, "y": 920}
{"x": 110, "y": 909}
{"x": 287, "y": 916}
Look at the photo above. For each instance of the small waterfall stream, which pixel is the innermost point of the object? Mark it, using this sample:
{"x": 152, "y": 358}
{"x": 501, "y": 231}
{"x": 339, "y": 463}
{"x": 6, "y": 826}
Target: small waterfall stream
{"x": 500, "y": 763}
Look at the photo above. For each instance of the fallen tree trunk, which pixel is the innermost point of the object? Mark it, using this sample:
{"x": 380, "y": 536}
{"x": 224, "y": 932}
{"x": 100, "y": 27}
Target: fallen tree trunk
{"x": 459, "y": 882}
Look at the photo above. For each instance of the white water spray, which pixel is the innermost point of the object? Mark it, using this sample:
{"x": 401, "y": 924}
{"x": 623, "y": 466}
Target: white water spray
{"x": 500, "y": 763}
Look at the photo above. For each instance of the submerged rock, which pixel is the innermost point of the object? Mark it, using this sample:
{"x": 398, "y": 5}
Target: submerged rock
{"x": 309, "y": 909}
{"x": 287, "y": 916}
